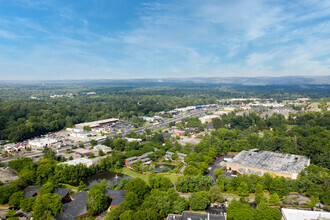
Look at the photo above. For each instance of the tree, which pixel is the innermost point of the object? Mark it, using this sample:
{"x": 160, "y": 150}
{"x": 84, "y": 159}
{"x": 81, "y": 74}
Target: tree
{"x": 27, "y": 203}
{"x": 219, "y": 171}
{"x": 259, "y": 193}
{"x": 131, "y": 201}
{"x": 139, "y": 187}
{"x": 47, "y": 205}
{"x": 240, "y": 210}
{"x": 48, "y": 188}
{"x": 243, "y": 189}
{"x": 97, "y": 201}
{"x": 159, "y": 182}
{"x": 215, "y": 194}
{"x": 148, "y": 214}
{"x": 82, "y": 186}
{"x": 92, "y": 155}
{"x": 174, "y": 156}
{"x": 263, "y": 212}
{"x": 87, "y": 128}
{"x": 274, "y": 199}
{"x": 49, "y": 153}
{"x": 314, "y": 201}
{"x": 93, "y": 142}
{"x": 101, "y": 153}
{"x": 199, "y": 200}
{"x": 15, "y": 199}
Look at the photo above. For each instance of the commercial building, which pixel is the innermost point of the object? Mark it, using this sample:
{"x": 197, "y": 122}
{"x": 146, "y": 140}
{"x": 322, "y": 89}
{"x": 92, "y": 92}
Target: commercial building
{"x": 104, "y": 148}
{"x": 195, "y": 216}
{"x": 261, "y": 162}
{"x": 295, "y": 214}
{"x": 41, "y": 143}
{"x": 208, "y": 118}
{"x": 134, "y": 139}
{"x": 95, "y": 124}
{"x": 75, "y": 162}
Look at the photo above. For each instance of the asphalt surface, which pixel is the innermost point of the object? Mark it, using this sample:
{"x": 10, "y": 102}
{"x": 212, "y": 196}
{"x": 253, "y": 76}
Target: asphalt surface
{"x": 216, "y": 165}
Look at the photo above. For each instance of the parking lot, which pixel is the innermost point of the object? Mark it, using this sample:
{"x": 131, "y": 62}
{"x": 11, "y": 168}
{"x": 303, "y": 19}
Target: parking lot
{"x": 216, "y": 165}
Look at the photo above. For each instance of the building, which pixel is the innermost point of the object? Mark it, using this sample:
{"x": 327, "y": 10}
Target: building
{"x": 166, "y": 135}
{"x": 74, "y": 129}
{"x": 117, "y": 197}
{"x": 63, "y": 193}
{"x": 144, "y": 159}
{"x": 195, "y": 216}
{"x": 43, "y": 142}
{"x": 95, "y": 124}
{"x": 83, "y": 151}
{"x": 260, "y": 162}
{"x": 75, "y": 162}
{"x": 74, "y": 209}
{"x": 134, "y": 139}
{"x": 295, "y": 214}
{"x": 208, "y": 118}
{"x": 168, "y": 155}
{"x": 83, "y": 134}
{"x": 104, "y": 148}
{"x": 130, "y": 161}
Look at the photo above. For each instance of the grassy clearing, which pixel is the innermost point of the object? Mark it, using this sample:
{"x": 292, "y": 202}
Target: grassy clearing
{"x": 64, "y": 185}
{"x": 145, "y": 177}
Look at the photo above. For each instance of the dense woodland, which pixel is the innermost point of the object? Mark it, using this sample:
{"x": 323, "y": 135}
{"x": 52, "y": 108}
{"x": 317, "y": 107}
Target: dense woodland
{"x": 22, "y": 117}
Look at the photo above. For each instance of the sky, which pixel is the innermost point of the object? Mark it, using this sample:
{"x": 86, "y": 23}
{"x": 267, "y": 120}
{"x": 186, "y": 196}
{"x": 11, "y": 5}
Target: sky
{"x": 125, "y": 39}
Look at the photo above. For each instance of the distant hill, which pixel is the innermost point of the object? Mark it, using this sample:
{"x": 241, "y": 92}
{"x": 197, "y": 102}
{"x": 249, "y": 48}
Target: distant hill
{"x": 283, "y": 80}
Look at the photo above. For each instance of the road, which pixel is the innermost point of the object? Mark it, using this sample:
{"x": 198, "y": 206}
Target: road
{"x": 165, "y": 123}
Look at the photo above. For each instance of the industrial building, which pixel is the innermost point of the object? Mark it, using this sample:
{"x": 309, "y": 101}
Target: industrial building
{"x": 260, "y": 162}
{"x": 95, "y": 124}
{"x": 295, "y": 214}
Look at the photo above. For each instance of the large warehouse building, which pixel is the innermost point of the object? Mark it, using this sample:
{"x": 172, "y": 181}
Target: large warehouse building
{"x": 260, "y": 162}
{"x": 95, "y": 124}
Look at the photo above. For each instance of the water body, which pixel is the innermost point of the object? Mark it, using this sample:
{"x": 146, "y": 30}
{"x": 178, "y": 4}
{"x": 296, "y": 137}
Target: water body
{"x": 159, "y": 168}
{"x": 114, "y": 178}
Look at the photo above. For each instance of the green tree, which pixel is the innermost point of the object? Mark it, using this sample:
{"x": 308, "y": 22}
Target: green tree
{"x": 274, "y": 199}
{"x": 93, "y": 142}
{"x": 92, "y": 155}
{"x": 87, "y": 128}
{"x": 97, "y": 201}
{"x": 174, "y": 156}
{"x": 82, "y": 186}
{"x": 159, "y": 182}
{"x": 27, "y": 203}
{"x": 199, "y": 200}
{"x": 48, "y": 188}
{"x": 215, "y": 194}
{"x": 49, "y": 153}
{"x": 243, "y": 189}
{"x": 259, "y": 193}
{"x": 101, "y": 153}
{"x": 240, "y": 210}
{"x": 15, "y": 199}
{"x": 131, "y": 201}
{"x": 47, "y": 205}
{"x": 139, "y": 187}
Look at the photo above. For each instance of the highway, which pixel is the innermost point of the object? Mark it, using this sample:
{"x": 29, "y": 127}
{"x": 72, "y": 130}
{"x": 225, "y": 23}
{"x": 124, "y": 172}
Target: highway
{"x": 165, "y": 123}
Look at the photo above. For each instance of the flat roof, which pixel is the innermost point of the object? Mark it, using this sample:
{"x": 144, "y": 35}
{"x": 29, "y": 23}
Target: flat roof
{"x": 77, "y": 161}
{"x": 82, "y": 151}
{"x": 295, "y": 214}
{"x": 267, "y": 160}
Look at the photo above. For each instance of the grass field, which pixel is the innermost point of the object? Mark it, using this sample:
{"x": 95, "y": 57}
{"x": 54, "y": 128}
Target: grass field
{"x": 145, "y": 177}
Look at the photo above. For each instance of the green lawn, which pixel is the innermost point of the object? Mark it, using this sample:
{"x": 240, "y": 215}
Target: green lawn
{"x": 145, "y": 177}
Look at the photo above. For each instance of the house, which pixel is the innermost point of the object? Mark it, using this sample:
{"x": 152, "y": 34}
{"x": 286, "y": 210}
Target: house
{"x": 293, "y": 214}
{"x": 129, "y": 161}
{"x": 75, "y": 162}
{"x": 32, "y": 191}
{"x": 74, "y": 209}
{"x": 261, "y": 162}
{"x": 104, "y": 148}
{"x": 195, "y": 216}
{"x": 117, "y": 197}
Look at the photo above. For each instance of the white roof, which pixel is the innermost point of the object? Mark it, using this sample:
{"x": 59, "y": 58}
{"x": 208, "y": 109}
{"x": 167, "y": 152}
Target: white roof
{"x": 295, "y": 214}
{"x": 77, "y": 161}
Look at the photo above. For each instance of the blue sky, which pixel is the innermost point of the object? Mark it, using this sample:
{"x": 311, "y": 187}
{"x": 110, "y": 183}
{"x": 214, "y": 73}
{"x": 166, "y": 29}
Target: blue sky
{"x": 119, "y": 39}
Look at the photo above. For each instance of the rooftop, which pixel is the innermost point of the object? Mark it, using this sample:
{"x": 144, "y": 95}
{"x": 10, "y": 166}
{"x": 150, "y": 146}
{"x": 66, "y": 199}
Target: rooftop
{"x": 117, "y": 196}
{"x": 75, "y": 208}
{"x": 267, "y": 160}
{"x": 77, "y": 161}
{"x": 195, "y": 216}
{"x": 293, "y": 214}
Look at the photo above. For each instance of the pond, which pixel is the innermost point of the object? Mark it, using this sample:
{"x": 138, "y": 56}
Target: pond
{"x": 159, "y": 168}
{"x": 113, "y": 177}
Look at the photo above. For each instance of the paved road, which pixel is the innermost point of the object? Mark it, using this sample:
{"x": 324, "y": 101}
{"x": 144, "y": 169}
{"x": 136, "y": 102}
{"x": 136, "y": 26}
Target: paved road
{"x": 193, "y": 113}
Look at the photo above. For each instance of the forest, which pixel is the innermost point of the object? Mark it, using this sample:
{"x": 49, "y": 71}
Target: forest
{"x": 22, "y": 117}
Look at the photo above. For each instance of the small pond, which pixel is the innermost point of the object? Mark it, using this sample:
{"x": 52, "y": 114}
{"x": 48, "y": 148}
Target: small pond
{"x": 159, "y": 168}
{"x": 114, "y": 178}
